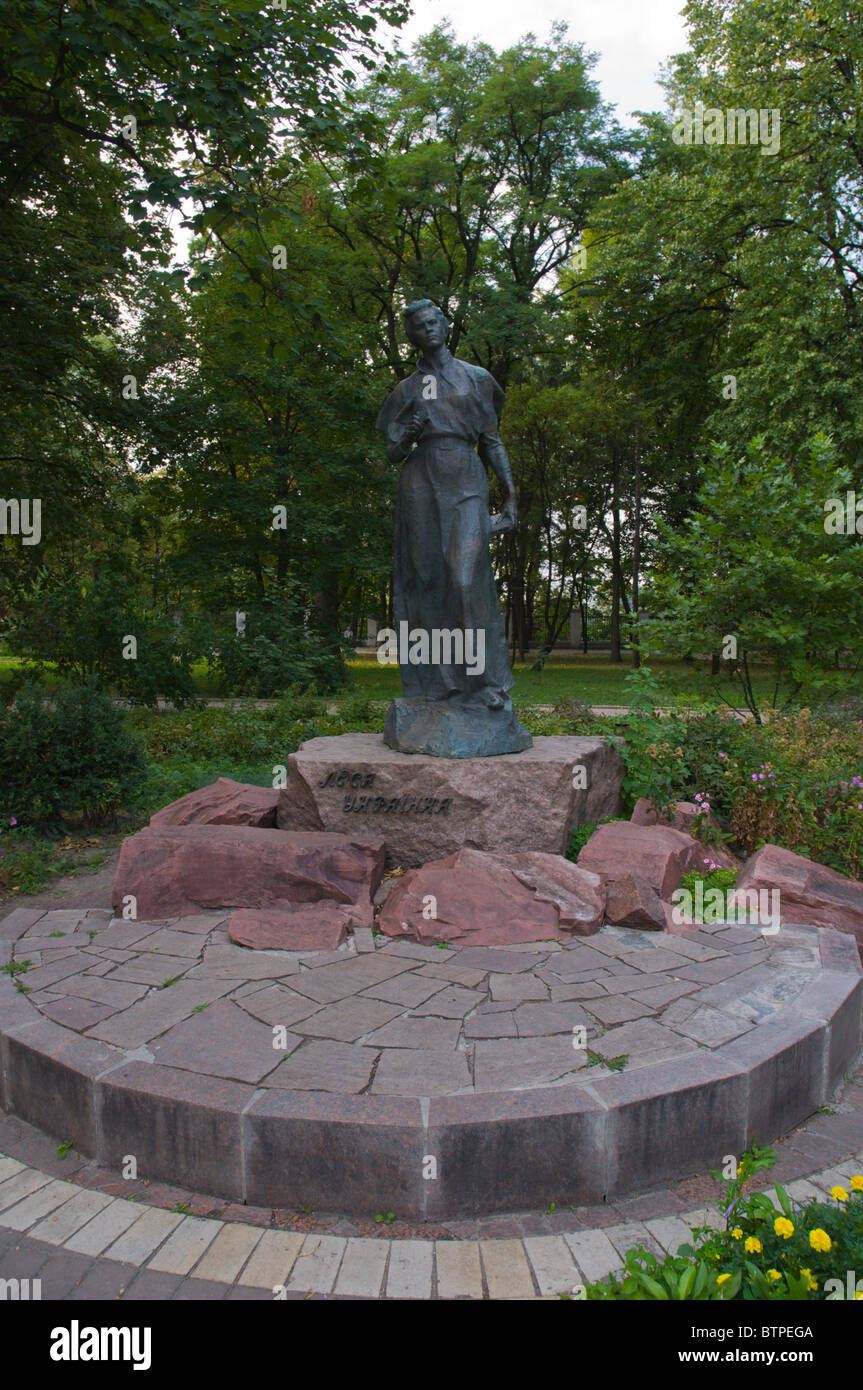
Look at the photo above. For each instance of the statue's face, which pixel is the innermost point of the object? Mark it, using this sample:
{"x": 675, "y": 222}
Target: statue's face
{"x": 428, "y": 330}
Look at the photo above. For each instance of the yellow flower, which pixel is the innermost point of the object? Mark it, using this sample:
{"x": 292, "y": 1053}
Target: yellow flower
{"x": 773, "y": 1275}
{"x": 839, "y": 1193}
{"x": 737, "y": 1233}
{"x": 812, "y": 1283}
{"x": 857, "y": 1183}
{"x": 722, "y": 1278}
{"x": 819, "y": 1240}
{"x": 752, "y": 1246}
{"x": 783, "y": 1227}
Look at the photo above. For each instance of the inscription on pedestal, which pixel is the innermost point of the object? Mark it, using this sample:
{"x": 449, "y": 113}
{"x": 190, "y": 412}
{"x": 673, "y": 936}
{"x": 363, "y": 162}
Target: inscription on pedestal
{"x": 383, "y": 805}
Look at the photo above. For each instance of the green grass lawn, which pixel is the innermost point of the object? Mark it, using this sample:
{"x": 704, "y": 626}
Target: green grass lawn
{"x": 593, "y": 679}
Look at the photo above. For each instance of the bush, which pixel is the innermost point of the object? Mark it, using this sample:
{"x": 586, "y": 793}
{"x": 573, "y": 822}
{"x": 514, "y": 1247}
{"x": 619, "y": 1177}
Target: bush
{"x": 279, "y": 651}
{"x": 795, "y": 780}
{"x": 799, "y": 1252}
{"x": 65, "y": 758}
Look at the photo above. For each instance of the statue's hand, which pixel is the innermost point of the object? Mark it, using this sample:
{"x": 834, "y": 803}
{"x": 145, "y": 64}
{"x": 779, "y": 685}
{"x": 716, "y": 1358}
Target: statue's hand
{"x": 504, "y": 521}
{"x": 415, "y": 427}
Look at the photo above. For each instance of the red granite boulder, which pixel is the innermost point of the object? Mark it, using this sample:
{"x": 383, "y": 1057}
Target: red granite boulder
{"x": 224, "y": 802}
{"x": 472, "y": 897}
{"x": 645, "y": 813}
{"x": 657, "y": 854}
{"x": 297, "y": 927}
{"x": 178, "y": 871}
{"x": 633, "y": 902}
{"x": 809, "y": 893}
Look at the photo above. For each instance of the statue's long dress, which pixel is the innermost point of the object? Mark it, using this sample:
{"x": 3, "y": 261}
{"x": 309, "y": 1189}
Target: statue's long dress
{"x": 443, "y": 576}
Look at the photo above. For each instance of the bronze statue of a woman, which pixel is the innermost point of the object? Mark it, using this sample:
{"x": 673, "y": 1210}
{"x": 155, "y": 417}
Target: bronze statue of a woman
{"x": 441, "y": 423}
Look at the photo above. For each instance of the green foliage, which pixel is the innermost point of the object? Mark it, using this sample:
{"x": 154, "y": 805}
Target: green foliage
{"x": 82, "y": 629}
{"x": 754, "y": 562}
{"x": 767, "y": 1251}
{"x": 276, "y": 653}
{"x": 66, "y": 758}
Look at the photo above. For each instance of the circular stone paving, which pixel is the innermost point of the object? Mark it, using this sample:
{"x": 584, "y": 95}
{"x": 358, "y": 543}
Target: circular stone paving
{"x": 389, "y": 1076}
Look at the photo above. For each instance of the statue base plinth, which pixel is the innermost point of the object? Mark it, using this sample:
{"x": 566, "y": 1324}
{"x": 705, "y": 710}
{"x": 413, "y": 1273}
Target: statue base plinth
{"x": 454, "y": 729}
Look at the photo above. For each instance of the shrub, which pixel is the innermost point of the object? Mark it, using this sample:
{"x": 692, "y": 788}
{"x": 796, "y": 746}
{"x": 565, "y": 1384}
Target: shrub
{"x": 66, "y": 758}
{"x": 797, "y": 1252}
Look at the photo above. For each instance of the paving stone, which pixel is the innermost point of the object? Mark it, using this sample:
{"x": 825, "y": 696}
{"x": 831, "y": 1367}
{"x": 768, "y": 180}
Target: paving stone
{"x": 60, "y": 1225}
{"x": 453, "y": 1002}
{"x": 227, "y": 1254}
{"x": 712, "y": 971}
{"x": 60, "y": 1274}
{"x": 491, "y": 1025}
{"x": 617, "y": 1009}
{"x": 703, "y": 1216}
{"x": 36, "y": 1205}
{"x": 276, "y": 1004}
{"x": 96, "y": 1235}
{"x": 9, "y": 1168}
{"x": 348, "y": 977}
{"x": 350, "y": 1019}
{"x": 580, "y": 960}
{"x": 630, "y": 1234}
{"x": 410, "y": 1269}
{"x": 118, "y": 994}
{"x": 712, "y": 1027}
{"x": 657, "y": 996}
{"x": 507, "y": 1270}
{"x": 407, "y": 990}
{"x": 46, "y": 975}
{"x": 152, "y": 970}
{"x": 362, "y": 1270}
{"x": 326, "y": 1066}
{"x": 224, "y": 960}
{"x": 317, "y": 1264}
{"x": 459, "y": 1273}
{"x": 201, "y": 1291}
{"x": 185, "y": 1246}
{"x": 643, "y": 1042}
{"x": 552, "y": 1263}
{"x": 412, "y": 950}
{"x": 151, "y": 1286}
{"x": 157, "y": 1013}
{"x": 413, "y": 1072}
{"x": 669, "y": 1232}
{"x": 587, "y": 989}
{"x": 144, "y": 1236}
{"x": 490, "y": 958}
{"x": 124, "y": 934}
{"x": 593, "y": 1253}
{"x": 168, "y": 942}
{"x": 77, "y": 1014}
{"x": 803, "y": 1191}
{"x": 540, "y": 1020}
{"x": 430, "y": 1033}
{"x": 272, "y": 1259}
{"x": 506, "y": 1065}
{"x": 105, "y": 1281}
{"x": 20, "y": 1185}
{"x": 221, "y": 1040}
{"x": 453, "y": 971}
{"x": 517, "y": 988}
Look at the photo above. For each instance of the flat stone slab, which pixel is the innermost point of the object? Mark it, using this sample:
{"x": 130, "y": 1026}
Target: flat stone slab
{"x": 590, "y": 1068}
{"x": 428, "y": 807}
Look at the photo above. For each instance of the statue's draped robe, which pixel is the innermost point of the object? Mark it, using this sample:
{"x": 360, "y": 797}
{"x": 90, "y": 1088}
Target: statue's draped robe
{"x": 442, "y": 575}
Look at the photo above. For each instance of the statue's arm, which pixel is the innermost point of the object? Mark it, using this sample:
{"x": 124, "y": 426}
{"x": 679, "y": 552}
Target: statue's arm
{"x": 493, "y": 454}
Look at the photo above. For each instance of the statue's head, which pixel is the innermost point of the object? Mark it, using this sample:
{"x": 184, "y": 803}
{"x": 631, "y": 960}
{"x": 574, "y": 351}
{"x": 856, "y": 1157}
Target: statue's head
{"x": 425, "y": 324}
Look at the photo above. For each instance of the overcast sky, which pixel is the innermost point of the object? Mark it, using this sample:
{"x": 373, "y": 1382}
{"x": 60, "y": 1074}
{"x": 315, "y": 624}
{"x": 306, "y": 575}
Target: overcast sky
{"x": 633, "y": 37}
